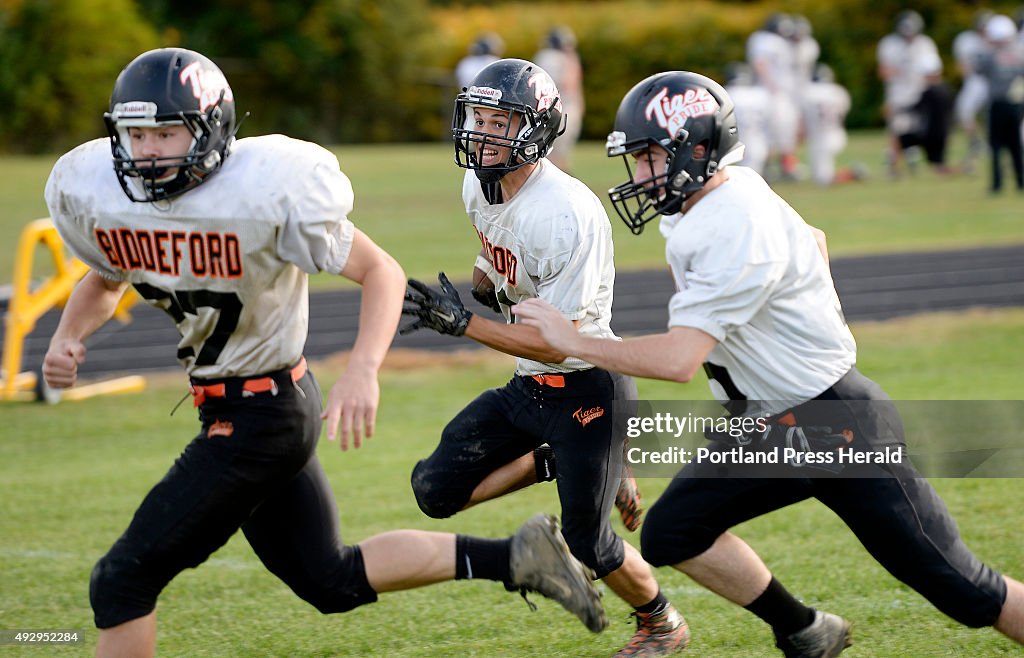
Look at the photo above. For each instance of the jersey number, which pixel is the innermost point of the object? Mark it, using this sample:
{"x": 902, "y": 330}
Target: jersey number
{"x": 178, "y": 303}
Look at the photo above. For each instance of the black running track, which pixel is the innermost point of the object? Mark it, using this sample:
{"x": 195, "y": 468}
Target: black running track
{"x": 870, "y": 287}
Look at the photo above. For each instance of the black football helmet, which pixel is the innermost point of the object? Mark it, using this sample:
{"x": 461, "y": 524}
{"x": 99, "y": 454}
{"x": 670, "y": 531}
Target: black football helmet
{"x": 517, "y": 86}
{"x": 675, "y": 111}
{"x": 170, "y": 86}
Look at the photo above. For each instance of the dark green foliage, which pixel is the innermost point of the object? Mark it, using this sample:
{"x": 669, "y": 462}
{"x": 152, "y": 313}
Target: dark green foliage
{"x": 58, "y": 61}
{"x": 342, "y": 71}
{"x": 327, "y": 70}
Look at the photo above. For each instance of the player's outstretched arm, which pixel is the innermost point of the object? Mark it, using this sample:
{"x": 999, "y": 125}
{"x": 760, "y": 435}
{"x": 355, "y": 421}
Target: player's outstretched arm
{"x": 673, "y": 356}
{"x": 516, "y": 339}
{"x": 352, "y": 401}
{"x": 91, "y": 304}
{"x": 442, "y": 310}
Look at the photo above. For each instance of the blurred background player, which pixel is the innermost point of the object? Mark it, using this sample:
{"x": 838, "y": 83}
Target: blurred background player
{"x": 754, "y": 110}
{"x": 930, "y": 118}
{"x": 559, "y": 57}
{"x": 771, "y": 57}
{"x": 806, "y": 52}
{"x": 900, "y": 55}
{"x": 825, "y": 106}
{"x": 1003, "y": 70}
{"x": 486, "y": 48}
{"x": 969, "y": 47}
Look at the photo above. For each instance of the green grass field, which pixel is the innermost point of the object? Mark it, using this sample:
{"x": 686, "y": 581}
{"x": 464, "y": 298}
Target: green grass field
{"x": 71, "y": 476}
{"x": 408, "y": 198}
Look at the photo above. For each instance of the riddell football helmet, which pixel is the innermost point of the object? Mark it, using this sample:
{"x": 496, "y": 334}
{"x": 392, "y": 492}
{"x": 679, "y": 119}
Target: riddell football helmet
{"x": 170, "y": 86}
{"x": 676, "y": 111}
{"x": 525, "y": 91}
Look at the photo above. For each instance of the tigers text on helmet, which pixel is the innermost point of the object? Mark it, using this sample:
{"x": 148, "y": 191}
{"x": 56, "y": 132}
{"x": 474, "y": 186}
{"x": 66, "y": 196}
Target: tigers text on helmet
{"x": 691, "y": 118}
{"x": 166, "y": 87}
{"x": 530, "y": 97}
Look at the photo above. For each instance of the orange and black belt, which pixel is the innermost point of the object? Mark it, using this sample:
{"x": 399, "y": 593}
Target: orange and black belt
{"x": 245, "y": 387}
{"x": 554, "y": 381}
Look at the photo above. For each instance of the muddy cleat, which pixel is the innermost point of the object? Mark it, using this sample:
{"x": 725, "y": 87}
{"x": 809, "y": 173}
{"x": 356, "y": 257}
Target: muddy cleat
{"x": 826, "y": 637}
{"x": 627, "y": 500}
{"x": 540, "y": 562}
{"x": 657, "y": 634}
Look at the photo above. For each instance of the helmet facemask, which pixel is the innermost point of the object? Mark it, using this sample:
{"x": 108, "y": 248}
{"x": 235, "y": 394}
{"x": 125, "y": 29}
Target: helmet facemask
{"x": 683, "y": 174}
{"x": 638, "y": 201}
{"x": 528, "y": 98}
{"x": 162, "y": 88}
{"x": 526, "y": 136}
{"x": 143, "y": 178}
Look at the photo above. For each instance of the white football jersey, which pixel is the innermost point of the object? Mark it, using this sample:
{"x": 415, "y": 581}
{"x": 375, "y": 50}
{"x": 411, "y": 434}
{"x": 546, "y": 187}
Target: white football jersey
{"x": 773, "y": 60}
{"x": 826, "y": 105}
{"x": 806, "y": 52}
{"x": 755, "y": 112}
{"x": 228, "y": 260}
{"x": 748, "y": 272}
{"x": 551, "y": 240}
{"x": 968, "y": 47}
{"x": 905, "y": 58}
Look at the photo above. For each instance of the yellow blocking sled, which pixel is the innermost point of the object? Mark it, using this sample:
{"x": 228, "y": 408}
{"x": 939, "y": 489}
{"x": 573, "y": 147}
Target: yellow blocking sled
{"x": 27, "y": 306}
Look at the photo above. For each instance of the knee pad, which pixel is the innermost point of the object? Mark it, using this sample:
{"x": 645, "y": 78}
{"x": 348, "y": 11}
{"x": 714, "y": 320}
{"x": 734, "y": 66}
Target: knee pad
{"x": 120, "y": 590}
{"x": 975, "y": 616}
{"x": 431, "y": 498}
{"x": 974, "y": 599}
{"x": 600, "y": 549}
{"x": 346, "y": 590}
{"x": 666, "y": 540}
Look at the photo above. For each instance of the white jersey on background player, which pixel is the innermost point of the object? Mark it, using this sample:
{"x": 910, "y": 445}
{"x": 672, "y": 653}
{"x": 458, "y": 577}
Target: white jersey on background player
{"x": 755, "y": 111}
{"x": 771, "y": 55}
{"x": 559, "y": 57}
{"x": 826, "y": 105}
{"x": 806, "y": 52}
{"x": 969, "y": 47}
{"x": 900, "y": 61}
{"x": 551, "y": 240}
{"x": 244, "y": 269}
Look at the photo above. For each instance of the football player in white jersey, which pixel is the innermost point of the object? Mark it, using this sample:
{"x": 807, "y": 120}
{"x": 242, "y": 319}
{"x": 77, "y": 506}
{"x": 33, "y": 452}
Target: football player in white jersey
{"x": 969, "y": 47}
{"x": 546, "y": 235}
{"x": 222, "y": 236}
{"x": 756, "y": 306}
{"x": 825, "y": 105}
{"x": 754, "y": 105}
{"x": 772, "y": 57}
{"x": 899, "y": 57}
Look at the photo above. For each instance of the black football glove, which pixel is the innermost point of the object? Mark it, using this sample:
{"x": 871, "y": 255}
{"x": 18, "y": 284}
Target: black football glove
{"x": 488, "y": 297}
{"x": 441, "y": 311}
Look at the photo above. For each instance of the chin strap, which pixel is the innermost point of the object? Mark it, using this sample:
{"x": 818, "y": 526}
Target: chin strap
{"x": 492, "y": 192}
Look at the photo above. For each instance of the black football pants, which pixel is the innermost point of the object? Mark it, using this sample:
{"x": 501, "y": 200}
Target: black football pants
{"x": 505, "y": 423}
{"x": 895, "y": 513}
{"x": 253, "y": 466}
